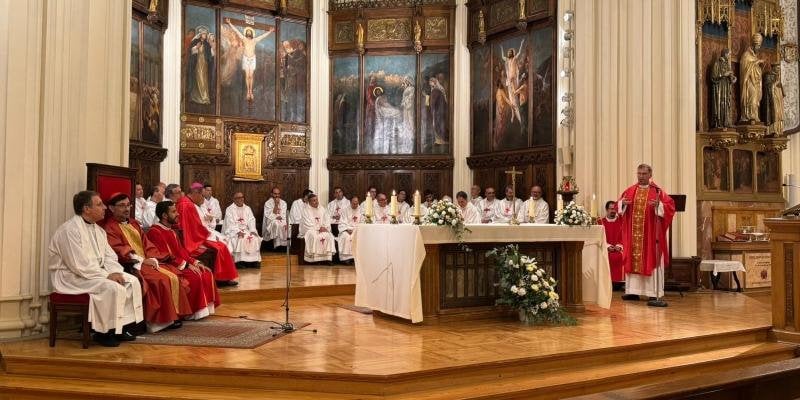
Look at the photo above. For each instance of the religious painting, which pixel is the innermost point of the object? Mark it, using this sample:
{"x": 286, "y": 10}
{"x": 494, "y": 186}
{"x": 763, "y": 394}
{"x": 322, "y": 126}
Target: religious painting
{"x": 150, "y": 78}
{"x": 715, "y": 169}
{"x": 134, "y": 81}
{"x": 434, "y": 104}
{"x": 247, "y": 66}
{"x": 345, "y": 105}
{"x": 293, "y": 58}
{"x": 247, "y": 147}
{"x": 541, "y": 85}
{"x": 389, "y": 124}
{"x": 768, "y": 172}
{"x": 480, "y": 98}
{"x": 511, "y": 62}
{"x": 200, "y": 60}
{"x": 742, "y": 171}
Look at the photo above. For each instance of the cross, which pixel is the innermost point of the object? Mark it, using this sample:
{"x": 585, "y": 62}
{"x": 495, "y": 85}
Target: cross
{"x": 514, "y": 174}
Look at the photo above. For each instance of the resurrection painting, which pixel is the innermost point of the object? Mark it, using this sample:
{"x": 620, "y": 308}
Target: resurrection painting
{"x": 742, "y": 171}
{"x": 345, "y": 105}
{"x": 389, "y": 124}
{"x": 510, "y": 61}
{"x": 480, "y": 99}
{"x": 715, "y": 169}
{"x": 150, "y": 77}
{"x": 434, "y": 105}
{"x": 541, "y": 82}
{"x": 247, "y": 66}
{"x": 293, "y": 59}
{"x": 768, "y": 172}
{"x": 199, "y": 55}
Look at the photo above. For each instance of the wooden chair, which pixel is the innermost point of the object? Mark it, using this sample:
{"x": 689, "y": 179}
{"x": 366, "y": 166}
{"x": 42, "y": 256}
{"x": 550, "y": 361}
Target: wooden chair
{"x": 72, "y": 304}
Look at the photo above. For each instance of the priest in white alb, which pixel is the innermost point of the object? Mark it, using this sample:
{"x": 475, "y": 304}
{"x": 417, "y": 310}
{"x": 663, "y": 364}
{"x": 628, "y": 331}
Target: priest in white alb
{"x": 239, "y": 226}
{"x": 467, "y": 210}
{"x": 475, "y": 195}
{"x": 488, "y": 206}
{"x": 402, "y": 204}
{"x": 316, "y": 226}
{"x": 296, "y": 211}
{"x": 382, "y": 211}
{"x": 210, "y": 211}
{"x": 351, "y": 217}
{"x": 82, "y": 262}
{"x": 507, "y": 208}
{"x": 337, "y": 205}
{"x": 275, "y": 226}
{"x": 534, "y": 210}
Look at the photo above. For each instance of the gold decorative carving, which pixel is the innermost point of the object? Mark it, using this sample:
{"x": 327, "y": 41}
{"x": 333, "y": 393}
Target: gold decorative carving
{"x": 203, "y": 143}
{"x": 294, "y": 141}
{"x": 344, "y": 32}
{"x": 789, "y": 52}
{"x": 481, "y": 27}
{"x": 723, "y": 138}
{"x": 282, "y": 7}
{"x": 417, "y": 37}
{"x": 360, "y": 38}
{"x": 247, "y": 162}
{"x": 775, "y": 144}
{"x": 715, "y": 11}
{"x": 388, "y": 29}
{"x": 521, "y": 19}
{"x": 298, "y": 4}
{"x": 436, "y": 28}
{"x": 766, "y": 18}
{"x": 198, "y": 132}
{"x": 751, "y": 132}
{"x": 502, "y": 12}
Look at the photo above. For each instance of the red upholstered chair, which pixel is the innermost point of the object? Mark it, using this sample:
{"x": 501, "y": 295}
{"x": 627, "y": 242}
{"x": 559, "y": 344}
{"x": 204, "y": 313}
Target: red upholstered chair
{"x": 73, "y": 304}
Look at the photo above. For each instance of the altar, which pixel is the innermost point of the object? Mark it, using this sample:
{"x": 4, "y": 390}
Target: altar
{"x": 422, "y": 273}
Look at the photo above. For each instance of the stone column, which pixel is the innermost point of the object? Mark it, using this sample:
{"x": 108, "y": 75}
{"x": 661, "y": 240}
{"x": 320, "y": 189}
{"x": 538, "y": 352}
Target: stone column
{"x": 319, "y": 177}
{"x": 171, "y": 106}
{"x": 461, "y": 137}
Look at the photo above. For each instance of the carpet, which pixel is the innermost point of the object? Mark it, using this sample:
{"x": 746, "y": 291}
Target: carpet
{"x": 218, "y": 331}
{"x": 358, "y": 309}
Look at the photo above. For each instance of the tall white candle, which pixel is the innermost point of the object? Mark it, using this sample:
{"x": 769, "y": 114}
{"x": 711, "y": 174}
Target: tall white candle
{"x": 368, "y": 212}
{"x": 559, "y": 202}
{"x": 417, "y": 204}
{"x": 594, "y": 206}
{"x": 393, "y": 205}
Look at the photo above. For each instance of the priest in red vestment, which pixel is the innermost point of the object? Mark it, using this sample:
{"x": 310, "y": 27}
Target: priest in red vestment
{"x": 196, "y": 236}
{"x": 164, "y": 292}
{"x": 646, "y": 212}
{"x": 613, "y": 227}
{"x": 203, "y": 296}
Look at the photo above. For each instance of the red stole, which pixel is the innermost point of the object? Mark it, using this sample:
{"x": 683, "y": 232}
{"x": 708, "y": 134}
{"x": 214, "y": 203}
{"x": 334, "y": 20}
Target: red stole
{"x": 645, "y": 235}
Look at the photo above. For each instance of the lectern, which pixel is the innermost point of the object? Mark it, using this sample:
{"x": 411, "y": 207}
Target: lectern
{"x": 785, "y": 241}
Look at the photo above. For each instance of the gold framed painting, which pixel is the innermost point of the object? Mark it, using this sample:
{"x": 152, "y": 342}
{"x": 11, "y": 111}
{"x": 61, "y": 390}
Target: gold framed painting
{"x": 248, "y": 151}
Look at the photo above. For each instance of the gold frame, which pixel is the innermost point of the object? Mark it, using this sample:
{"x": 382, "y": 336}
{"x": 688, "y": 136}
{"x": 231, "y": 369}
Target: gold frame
{"x": 248, "y": 148}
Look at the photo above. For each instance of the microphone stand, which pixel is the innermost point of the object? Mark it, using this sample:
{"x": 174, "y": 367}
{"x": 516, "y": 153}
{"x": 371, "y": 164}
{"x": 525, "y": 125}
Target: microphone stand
{"x": 287, "y": 326}
{"x": 658, "y": 302}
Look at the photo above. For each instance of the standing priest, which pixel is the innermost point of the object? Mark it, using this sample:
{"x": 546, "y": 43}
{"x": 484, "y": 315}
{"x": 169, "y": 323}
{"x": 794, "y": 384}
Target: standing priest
{"x": 81, "y": 261}
{"x": 646, "y": 211}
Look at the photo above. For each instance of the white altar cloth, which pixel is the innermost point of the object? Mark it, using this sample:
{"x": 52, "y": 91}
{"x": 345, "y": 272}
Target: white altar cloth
{"x": 388, "y": 259}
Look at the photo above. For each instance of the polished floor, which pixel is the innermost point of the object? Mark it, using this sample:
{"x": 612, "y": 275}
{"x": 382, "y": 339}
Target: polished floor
{"x": 347, "y": 342}
{"x": 272, "y": 274}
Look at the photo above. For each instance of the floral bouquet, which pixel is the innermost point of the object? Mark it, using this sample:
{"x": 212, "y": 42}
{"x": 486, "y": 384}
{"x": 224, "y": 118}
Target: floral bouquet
{"x": 445, "y": 213}
{"x": 527, "y": 288}
{"x": 573, "y": 215}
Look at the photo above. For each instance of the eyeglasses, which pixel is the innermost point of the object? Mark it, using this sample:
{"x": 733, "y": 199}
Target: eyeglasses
{"x": 127, "y": 205}
{"x": 238, "y": 198}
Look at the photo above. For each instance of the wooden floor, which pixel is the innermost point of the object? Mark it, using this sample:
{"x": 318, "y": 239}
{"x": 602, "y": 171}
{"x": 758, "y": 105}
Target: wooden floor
{"x": 353, "y": 355}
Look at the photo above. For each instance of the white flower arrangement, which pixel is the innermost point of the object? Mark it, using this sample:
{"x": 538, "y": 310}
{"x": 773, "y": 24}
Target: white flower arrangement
{"x": 445, "y": 213}
{"x": 526, "y": 287}
{"x": 573, "y": 215}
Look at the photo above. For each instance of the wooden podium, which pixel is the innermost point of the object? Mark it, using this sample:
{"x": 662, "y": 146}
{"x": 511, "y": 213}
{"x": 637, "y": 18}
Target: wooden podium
{"x": 785, "y": 240}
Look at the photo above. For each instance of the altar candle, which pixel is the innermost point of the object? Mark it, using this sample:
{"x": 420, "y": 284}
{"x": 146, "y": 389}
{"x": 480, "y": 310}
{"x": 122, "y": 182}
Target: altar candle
{"x": 531, "y": 208}
{"x": 417, "y": 203}
{"x": 559, "y": 202}
{"x": 368, "y": 208}
{"x": 594, "y": 206}
{"x": 393, "y": 207}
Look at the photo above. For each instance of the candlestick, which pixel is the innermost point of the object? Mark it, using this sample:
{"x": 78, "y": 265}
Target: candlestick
{"x": 594, "y": 206}
{"x": 368, "y": 211}
{"x": 531, "y": 209}
{"x": 559, "y": 202}
{"x": 393, "y": 205}
{"x": 417, "y": 204}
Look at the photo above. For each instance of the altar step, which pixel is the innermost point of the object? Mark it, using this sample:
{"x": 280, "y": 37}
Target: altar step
{"x": 295, "y": 292}
{"x": 547, "y": 377}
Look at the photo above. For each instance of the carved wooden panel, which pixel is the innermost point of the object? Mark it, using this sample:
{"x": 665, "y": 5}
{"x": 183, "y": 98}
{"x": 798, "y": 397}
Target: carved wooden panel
{"x": 788, "y": 251}
{"x": 295, "y": 141}
{"x": 344, "y": 32}
{"x": 389, "y": 29}
{"x": 502, "y": 12}
{"x": 436, "y": 27}
{"x": 351, "y": 181}
{"x": 404, "y": 180}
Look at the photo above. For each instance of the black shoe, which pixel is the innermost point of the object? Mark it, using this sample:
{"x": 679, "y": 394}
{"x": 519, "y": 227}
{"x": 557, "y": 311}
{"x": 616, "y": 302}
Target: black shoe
{"x": 175, "y": 325}
{"x": 226, "y": 283}
{"x": 105, "y": 340}
{"x": 633, "y": 297}
{"x": 125, "y": 337}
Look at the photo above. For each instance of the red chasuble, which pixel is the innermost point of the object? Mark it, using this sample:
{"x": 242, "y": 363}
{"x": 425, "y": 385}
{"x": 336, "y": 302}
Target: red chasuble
{"x": 164, "y": 291}
{"x": 195, "y": 234}
{"x": 644, "y": 235}
{"x": 203, "y": 289}
{"x": 616, "y": 259}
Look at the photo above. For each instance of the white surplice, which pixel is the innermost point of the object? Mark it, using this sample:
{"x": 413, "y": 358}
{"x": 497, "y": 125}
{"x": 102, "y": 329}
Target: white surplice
{"x": 274, "y": 226}
{"x": 80, "y": 261}
{"x": 141, "y": 212}
{"x": 408, "y": 215}
{"x": 381, "y": 214}
{"x": 350, "y": 220}
{"x": 149, "y": 218}
{"x": 470, "y": 213}
{"x": 213, "y": 235}
{"x": 541, "y": 213}
{"x": 211, "y": 208}
{"x": 476, "y": 201}
{"x": 505, "y": 210}
{"x": 296, "y": 212}
{"x": 241, "y": 220}
{"x": 335, "y": 209}
{"x": 488, "y": 210}
{"x": 319, "y": 246}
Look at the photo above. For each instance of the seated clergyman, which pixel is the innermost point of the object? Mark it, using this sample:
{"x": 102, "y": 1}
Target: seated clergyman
{"x": 81, "y": 261}
{"x": 240, "y": 228}
{"x": 275, "y": 225}
{"x": 319, "y": 244}
{"x": 539, "y": 213}
{"x": 351, "y": 217}
{"x": 467, "y": 210}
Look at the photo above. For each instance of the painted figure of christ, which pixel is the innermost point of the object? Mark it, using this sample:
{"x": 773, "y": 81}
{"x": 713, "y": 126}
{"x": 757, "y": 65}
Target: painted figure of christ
{"x": 249, "y": 40}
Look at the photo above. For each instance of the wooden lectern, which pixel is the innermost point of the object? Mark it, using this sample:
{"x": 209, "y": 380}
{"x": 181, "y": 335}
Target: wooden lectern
{"x": 785, "y": 240}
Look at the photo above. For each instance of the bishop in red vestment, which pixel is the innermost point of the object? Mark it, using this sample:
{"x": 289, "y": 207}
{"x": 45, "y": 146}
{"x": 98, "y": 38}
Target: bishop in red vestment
{"x": 203, "y": 296}
{"x": 164, "y": 292}
{"x": 195, "y": 235}
{"x": 613, "y": 227}
{"x": 646, "y": 212}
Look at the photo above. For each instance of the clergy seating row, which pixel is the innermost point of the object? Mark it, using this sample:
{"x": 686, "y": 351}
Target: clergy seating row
{"x": 69, "y": 304}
